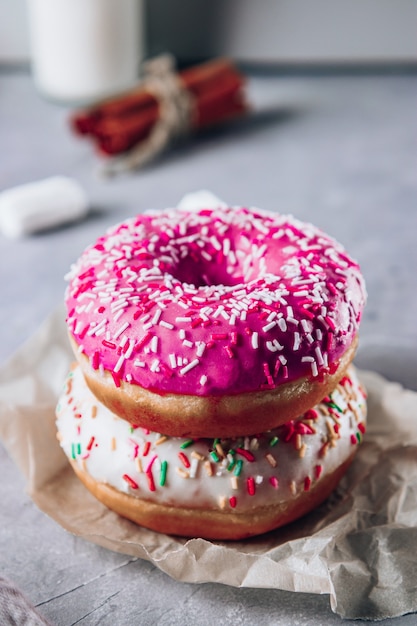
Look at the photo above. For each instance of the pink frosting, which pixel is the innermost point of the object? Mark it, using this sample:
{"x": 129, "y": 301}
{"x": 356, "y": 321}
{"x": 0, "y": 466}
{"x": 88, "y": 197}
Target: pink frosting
{"x": 214, "y": 302}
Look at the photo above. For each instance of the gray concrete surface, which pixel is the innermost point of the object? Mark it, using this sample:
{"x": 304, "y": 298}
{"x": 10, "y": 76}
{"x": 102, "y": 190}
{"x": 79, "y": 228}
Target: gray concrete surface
{"x": 339, "y": 151}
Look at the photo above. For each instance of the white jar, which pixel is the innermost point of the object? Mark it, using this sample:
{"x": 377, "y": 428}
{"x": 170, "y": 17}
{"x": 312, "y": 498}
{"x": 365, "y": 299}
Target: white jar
{"x": 84, "y": 50}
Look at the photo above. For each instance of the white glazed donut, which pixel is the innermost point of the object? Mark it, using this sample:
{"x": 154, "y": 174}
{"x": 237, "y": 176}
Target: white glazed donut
{"x": 212, "y": 488}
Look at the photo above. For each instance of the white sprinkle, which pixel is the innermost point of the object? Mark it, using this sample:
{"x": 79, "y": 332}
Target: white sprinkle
{"x": 156, "y": 317}
{"x": 166, "y": 324}
{"x": 173, "y": 361}
{"x": 119, "y": 364}
{"x": 297, "y": 341}
{"x": 118, "y": 315}
{"x": 189, "y": 367}
{"x": 203, "y": 380}
{"x": 305, "y": 325}
{"x": 307, "y": 359}
{"x": 314, "y": 369}
{"x": 121, "y": 330}
{"x": 181, "y": 333}
{"x": 129, "y": 351}
{"x": 268, "y": 327}
{"x": 154, "y": 366}
{"x": 255, "y": 343}
{"x": 154, "y": 344}
{"x": 193, "y": 467}
{"x": 123, "y": 341}
{"x": 183, "y": 319}
{"x": 187, "y": 343}
{"x": 319, "y": 356}
{"x": 218, "y": 311}
{"x": 93, "y": 331}
{"x": 282, "y": 324}
{"x": 215, "y": 242}
{"x": 201, "y": 346}
{"x": 282, "y": 359}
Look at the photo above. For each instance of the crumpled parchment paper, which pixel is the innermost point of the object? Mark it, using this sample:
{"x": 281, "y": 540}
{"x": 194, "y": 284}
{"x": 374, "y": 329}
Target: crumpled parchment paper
{"x": 360, "y": 546}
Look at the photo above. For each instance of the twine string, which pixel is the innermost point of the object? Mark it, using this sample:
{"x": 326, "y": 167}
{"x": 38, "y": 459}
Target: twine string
{"x": 175, "y": 114}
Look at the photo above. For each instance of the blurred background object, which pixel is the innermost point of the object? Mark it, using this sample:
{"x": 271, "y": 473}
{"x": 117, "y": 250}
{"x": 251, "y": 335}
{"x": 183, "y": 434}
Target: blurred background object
{"x": 82, "y": 50}
{"x": 277, "y": 32}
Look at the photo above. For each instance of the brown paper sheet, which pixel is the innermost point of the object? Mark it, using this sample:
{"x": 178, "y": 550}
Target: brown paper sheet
{"x": 360, "y": 546}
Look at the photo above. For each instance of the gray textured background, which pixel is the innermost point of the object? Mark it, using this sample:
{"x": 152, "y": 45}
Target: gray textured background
{"x": 339, "y": 151}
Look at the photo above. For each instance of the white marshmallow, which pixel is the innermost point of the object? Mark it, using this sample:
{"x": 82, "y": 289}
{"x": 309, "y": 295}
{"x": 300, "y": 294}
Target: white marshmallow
{"x": 41, "y": 205}
{"x": 202, "y": 199}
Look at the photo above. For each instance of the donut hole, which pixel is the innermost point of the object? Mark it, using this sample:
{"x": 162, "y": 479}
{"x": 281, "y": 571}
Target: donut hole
{"x": 202, "y": 273}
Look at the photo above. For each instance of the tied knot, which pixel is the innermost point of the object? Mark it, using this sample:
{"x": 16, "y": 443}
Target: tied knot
{"x": 175, "y": 113}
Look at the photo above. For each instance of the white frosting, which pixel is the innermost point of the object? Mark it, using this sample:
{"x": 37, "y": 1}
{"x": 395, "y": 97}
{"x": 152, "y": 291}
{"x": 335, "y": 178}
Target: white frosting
{"x": 274, "y": 466}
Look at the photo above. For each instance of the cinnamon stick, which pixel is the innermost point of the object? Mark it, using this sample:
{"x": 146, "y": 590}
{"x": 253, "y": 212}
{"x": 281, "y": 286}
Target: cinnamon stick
{"x": 118, "y": 124}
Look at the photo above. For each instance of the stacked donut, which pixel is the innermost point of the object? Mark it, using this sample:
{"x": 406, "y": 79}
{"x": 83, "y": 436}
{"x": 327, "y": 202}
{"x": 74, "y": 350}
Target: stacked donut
{"x": 213, "y": 394}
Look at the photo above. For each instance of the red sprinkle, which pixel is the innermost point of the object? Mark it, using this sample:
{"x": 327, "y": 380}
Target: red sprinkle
{"x": 116, "y": 379}
{"x": 151, "y": 483}
{"x": 353, "y": 440}
{"x": 250, "y": 483}
{"x": 95, "y": 362}
{"x": 146, "y": 448}
{"x": 130, "y": 481}
{"x": 274, "y": 481}
{"x": 246, "y": 454}
{"x": 361, "y": 427}
{"x": 318, "y": 470}
{"x": 233, "y": 502}
{"x": 144, "y": 340}
{"x": 229, "y": 352}
{"x": 90, "y": 443}
{"x": 307, "y": 483}
{"x": 184, "y": 460}
{"x": 108, "y": 344}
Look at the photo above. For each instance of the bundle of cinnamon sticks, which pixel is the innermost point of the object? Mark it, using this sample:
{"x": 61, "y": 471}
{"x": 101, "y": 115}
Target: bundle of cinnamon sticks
{"x": 118, "y": 125}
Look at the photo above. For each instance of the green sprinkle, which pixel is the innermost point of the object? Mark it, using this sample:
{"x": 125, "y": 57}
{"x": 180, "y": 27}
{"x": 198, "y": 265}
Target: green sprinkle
{"x": 187, "y": 444}
{"x": 231, "y": 465}
{"x": 232, "y": 452}
{"x": 73, "y": 453}
{"x": 215, "y": 442}
{"x": 358, "y": 437}
{"x": 238, "y": 468}
{"x": 163, "y": 476}
{"x": 214, "y": 456}
{"x": 273, "y": 441}
{"x": 333, "y": 405}
{"x": 78, "y": 448}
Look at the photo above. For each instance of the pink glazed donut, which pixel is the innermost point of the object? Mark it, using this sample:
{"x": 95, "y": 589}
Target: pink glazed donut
{"x": 216, "y": 322}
